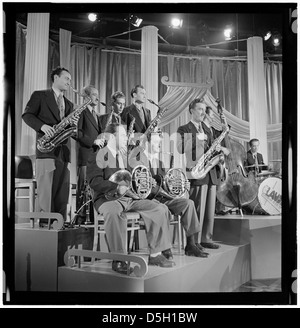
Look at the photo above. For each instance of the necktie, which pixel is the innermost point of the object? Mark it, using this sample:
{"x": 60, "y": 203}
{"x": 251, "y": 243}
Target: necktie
{"x": 60, "y": 104}
{"x": 256, "y": 162}
{"x": 200, "y": 129}
{"x": 142, "y": 116}
{"x": 95, "y": 116}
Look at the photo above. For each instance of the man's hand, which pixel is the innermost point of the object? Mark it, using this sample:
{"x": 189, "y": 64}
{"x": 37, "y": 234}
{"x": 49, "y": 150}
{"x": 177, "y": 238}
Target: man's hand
{"x": 201, "y": 136}
{"x": 99, "y": 142}
{"x": 75, "y": 119}
{"x": 122, "y": 189}
{"x": 48, "y": 130}
{"x": 225, "y": 150}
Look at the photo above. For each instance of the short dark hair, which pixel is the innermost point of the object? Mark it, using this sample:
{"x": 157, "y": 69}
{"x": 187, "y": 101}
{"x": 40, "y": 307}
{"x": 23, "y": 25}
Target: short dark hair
{"x": 57, "y": 71}
{"x": 194, "y": 102}
{"x": 253, "y": 140}
{"x": 208, "y": 109}
{"x": 116, "y": 95}
{"x": 134, "y": 90}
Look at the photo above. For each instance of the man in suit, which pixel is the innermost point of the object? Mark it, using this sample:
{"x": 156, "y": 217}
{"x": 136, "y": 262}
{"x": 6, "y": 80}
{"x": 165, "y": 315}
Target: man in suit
{"x": 101, "y": 166}
{"x": 137, "y": 109}
{"x": 45, "y": 109}
{"x": 88, "y": 131}
{"x": 118, "y": 100}
{"x": 195, "y": 140}
{"x": 178, "y": 206}
{"x": 254, "y": 157}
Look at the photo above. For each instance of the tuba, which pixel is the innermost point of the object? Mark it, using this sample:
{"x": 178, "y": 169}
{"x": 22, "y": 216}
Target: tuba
{"x": 139, "y": 183}
{"x": 63, "y": 130}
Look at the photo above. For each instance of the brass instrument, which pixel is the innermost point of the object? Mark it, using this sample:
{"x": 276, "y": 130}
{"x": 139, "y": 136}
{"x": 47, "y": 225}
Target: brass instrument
{"x": 174, "y": 183}
{"x": 63, "y": 130}
{"x": 139, "y": 183}
{"x": 209, "y": 160}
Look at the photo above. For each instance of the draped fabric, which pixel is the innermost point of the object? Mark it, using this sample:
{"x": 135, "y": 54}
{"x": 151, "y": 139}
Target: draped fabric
{"x": 36, "y": 59}
{"x": 110, "y": 71}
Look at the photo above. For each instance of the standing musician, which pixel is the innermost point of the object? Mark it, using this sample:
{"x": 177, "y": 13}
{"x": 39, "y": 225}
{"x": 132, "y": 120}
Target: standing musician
{"x": 101, "y": 166}
{"x": 45, "y": 109}
{"x": 88, "y": 131}
{"x": 137, "y": 109}
{"x": 196, "y": 138}
{"x": 178, "y": 206}
{"x": 118, "y": 100}
{"x": 254, "y": 158}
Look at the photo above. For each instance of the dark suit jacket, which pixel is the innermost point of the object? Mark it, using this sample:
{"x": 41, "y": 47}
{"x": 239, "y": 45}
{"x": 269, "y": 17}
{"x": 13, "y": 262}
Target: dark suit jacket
{"x": 139, "y": 127}
{"x": 250, "y": 161}
{"x": 88, "y": 130}
{"x": 193, "y": 149}
{"x": 42, "y": 109}
{"x": 104, "y": 118}
{"x": 101, "y": 165}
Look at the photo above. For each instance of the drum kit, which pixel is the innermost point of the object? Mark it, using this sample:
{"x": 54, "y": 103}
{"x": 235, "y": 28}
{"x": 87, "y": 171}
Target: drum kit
{"x": 268, "y": 200}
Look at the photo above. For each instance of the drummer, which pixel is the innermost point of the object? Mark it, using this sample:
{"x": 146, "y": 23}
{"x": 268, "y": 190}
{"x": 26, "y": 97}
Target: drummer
{"x": 254, "y": 162}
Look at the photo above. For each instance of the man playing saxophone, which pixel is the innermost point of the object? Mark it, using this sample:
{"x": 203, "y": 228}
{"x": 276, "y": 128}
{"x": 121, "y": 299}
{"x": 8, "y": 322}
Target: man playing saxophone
{"x": 149, "y": 156}
{"x": 195, "y": 140}
{"x": 45, "y": 109}
{"x": 101, "y": 165}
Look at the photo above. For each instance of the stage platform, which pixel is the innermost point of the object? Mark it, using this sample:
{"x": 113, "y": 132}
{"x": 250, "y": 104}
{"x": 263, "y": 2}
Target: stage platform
{"x": 250, "y": 249}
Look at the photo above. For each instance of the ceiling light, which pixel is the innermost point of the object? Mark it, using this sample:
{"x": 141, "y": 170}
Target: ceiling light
{"x": 276, "y": 42}
{"x": 228, "y": 33}
{"x": 267, "y": 35}
{"x": 176, "y": 22}
{"x": 135, "y": 21}
{"x": 92, "y": 17}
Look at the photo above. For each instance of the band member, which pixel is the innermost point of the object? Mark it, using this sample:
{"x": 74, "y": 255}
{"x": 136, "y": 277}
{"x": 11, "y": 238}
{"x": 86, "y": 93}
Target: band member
{"x": 178, "y": 206}
{"x": 118, "y": 100}
{"x": 88, "y": 131}
{"x": 137, "y": 109}
{"x": 254, "y": 158}
{"x": 196, "y": 138}
{"x": 45, "y": 109}
{"x": 101, "y": 165}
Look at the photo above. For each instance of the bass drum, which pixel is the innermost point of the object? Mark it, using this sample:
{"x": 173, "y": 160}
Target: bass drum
{"x": 268, "y": 200}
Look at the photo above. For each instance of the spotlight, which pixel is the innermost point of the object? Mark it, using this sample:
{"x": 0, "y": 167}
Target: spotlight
{"x": 135, "y": 21}
{"x": 276, "y": 42}
{"x": 176, "y": 22}
{"x": 228, "y": 32}
{"x": 92, "y": 17}
{"x": 267, "y": 35}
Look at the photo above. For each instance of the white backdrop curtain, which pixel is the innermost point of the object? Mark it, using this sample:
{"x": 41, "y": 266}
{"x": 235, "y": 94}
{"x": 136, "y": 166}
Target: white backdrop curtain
{"x": 109, "y": 71}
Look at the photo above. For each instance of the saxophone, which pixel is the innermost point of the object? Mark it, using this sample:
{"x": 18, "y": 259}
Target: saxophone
{"x": 209, "y": 160}
{"x": 63, "y": 130}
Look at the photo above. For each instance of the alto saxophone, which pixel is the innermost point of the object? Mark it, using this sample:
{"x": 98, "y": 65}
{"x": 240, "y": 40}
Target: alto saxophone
{"x": 63, "y": 130}
{"x": 209, "y": 160}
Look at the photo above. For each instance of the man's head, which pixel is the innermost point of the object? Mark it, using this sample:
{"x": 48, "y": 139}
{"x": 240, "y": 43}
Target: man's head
{"x": 197, "y": 109}
{"x": 91, "y": 92}
{"x": 61, "y": 78}
{"x": 118, "y": 102}
{"x": 254, "y": 144}
{"x": 138, "y": 93}
{"x": 209, "y": 115}
{"x": 117, "y": 136}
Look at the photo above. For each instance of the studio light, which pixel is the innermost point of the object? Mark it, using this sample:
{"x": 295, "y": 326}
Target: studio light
{"x": 228, "y": 33}
{"x": 92, "y": 17}
{"x": 176, "y": 22}
{"x": 135, "y": 21}
{"x": 267, "y": 36}
{"x": 276, "y": 41}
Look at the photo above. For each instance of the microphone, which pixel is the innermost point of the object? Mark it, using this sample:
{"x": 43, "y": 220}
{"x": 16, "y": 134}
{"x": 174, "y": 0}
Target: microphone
{"x": 103, "y": 104}
{"x": 153, "y": 103}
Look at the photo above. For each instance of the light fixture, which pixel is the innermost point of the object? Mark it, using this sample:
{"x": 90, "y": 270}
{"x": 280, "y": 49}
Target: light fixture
{"x": 267, "y": 36}
{"x": 276, "y": 41}
{"x": 92, "y": 17}
{"x": 228, "y": 32}
{"x": 176, "y": 22}
{"x": 135, "y": 21}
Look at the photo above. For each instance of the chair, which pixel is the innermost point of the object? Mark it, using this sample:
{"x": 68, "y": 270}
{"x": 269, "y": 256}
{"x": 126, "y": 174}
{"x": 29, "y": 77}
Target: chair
{"x": 133, "y": 224}
{"x": 24, "y": 179}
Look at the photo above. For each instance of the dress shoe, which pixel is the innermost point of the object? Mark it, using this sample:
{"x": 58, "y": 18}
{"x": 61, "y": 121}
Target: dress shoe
{"x": 210, "y": 245}
{"x": 160, "y": 261}
{"x": 121, "y": 267}
{"x": 193, "y": 250}
{"x": 167, "y": 254}
{"x": 202, "y": 249}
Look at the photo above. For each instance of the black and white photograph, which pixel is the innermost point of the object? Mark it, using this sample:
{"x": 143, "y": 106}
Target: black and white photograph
{"x": 149, "y": 154}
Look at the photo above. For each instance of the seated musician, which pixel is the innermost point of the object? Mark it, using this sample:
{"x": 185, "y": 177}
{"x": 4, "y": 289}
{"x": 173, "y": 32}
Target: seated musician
{"x": 101, "y": 165}
{"x": 254, "y": 162}
{"x": 178, "y": 206}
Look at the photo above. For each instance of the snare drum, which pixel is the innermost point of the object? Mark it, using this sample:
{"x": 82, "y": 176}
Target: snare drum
{"x": 268, "y": 200}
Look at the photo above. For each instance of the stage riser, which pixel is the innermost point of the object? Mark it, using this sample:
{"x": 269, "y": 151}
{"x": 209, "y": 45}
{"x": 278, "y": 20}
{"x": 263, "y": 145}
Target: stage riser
{"x": 222, "y": 272}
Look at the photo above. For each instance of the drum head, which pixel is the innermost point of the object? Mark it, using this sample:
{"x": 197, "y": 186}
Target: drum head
{"x": 269, "y": 195}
